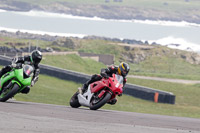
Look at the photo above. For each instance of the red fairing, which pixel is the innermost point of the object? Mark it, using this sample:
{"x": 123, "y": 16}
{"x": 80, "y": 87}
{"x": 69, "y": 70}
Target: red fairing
{"x": 115, "y": 88}
{"x": 102, "y": 93}
{"x": 96, "y": 86}
{"x": 113, "y": 84}
{"x": 121, "y": 90}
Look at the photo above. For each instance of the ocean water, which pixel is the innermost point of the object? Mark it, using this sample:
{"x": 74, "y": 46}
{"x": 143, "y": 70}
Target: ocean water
{"x": 162, "y": 32}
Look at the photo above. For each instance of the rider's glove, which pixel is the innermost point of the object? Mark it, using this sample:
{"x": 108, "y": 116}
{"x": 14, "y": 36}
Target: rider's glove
{"x": 13, "y": 65}
{"x": 14, "y": 61}
{"x": 104, "y": 75}
{"x": 32, "y": 83}
{"x": 34, "y": 80}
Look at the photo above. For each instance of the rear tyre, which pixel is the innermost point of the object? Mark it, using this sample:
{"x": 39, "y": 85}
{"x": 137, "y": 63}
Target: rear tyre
{"x": 74, "y": 103}
{"x": 9, "y": 93}
{"x": 99, "y": 104}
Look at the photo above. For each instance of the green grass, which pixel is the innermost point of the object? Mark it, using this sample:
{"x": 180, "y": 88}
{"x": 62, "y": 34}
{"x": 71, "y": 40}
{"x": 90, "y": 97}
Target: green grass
{"x": 185, "y": 94}
{"x": 10, "y": 42}
{"x": 165, "y": 64}
{"x": 167, "y": 67}
{"x": 55, "y": 91}
{"x": 74, "y": 62}
{"x": 50, "y": 90}
{"x": 156, "y": 66}
{"x": 100, "y": 47}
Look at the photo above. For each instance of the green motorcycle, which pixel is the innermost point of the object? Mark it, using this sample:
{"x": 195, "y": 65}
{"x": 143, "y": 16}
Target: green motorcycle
{"x": 15, "y": 81}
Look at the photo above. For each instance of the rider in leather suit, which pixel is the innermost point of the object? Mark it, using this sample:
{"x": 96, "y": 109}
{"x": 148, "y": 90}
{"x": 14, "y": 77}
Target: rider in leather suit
{"x": 122, "y": 70}
{"x": 33, "y": 59}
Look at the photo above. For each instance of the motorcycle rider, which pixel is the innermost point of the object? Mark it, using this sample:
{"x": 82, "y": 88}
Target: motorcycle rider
{"x": 33, "y": 60}
{"x": 122, "y": 70}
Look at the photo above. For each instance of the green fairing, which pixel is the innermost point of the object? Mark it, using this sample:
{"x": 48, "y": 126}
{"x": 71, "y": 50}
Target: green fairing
{"x": 18, "y": 75}
{"x": 5, "y": 78}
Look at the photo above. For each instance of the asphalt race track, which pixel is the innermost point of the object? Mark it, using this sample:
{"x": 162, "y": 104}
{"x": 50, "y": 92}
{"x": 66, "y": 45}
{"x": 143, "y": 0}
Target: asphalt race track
{"x": 26, "y": 117}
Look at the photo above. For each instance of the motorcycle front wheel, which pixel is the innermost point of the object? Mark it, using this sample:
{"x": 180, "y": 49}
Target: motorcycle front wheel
{"x": 9, "y": 93}
{"x": 97, "y": 103}
{"x": 74, "y": 103}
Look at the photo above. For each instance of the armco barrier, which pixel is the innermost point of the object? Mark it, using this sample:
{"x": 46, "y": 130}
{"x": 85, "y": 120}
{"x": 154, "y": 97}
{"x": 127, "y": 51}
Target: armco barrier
{"x": 130, "y": 89}
{"x": 149, "y": 94}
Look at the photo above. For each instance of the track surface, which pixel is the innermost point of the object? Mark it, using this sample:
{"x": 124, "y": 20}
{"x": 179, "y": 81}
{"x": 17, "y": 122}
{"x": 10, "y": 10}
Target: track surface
{"x": 26, "y": 117}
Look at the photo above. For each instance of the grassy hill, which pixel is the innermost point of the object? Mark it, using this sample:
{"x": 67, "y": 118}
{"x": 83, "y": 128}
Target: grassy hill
{"x": 156, "y": 66}
{"x": 147, "y": 60}
{"x": 74, "y": 62}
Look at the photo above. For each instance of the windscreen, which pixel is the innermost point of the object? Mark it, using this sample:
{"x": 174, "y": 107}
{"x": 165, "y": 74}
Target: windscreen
{"x": 28, "y": 70}
{"x": 119, "y": 78}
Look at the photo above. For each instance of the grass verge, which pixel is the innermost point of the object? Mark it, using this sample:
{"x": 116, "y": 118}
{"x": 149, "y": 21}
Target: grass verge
{"x": 74, "y": 62}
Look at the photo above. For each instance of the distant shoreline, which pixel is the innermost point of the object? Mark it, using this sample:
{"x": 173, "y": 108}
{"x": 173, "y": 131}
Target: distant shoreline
{"x": 39, "y": 35}
{"x": 151, "y": 22}
{"x": 105, "y": 12}
{"x": 137, "y": 19}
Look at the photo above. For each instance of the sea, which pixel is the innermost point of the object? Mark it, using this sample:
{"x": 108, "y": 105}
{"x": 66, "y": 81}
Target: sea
{"x": 180, "y": 35}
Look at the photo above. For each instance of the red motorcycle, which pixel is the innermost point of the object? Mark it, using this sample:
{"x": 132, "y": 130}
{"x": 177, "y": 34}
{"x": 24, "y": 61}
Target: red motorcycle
{"x": 98, "y": 93}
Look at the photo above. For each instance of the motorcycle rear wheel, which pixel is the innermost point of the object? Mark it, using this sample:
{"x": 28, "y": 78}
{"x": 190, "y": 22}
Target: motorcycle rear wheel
{"x": 100, "y": 103}
{"x": 74, "y": 103}
{"x": 10, "y": 93}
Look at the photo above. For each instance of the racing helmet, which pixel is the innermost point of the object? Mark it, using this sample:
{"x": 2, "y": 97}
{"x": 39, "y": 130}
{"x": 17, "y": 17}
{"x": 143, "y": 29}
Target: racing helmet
{"x": 36, "y": 57}
{"x": 123, "y": 69}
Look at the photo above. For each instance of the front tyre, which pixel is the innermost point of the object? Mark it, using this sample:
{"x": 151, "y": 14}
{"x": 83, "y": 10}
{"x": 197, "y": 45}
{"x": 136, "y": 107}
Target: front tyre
{"x": 74, "y": 103}
{"x": 95, "y": 104}
{"x": 9, "y": 93}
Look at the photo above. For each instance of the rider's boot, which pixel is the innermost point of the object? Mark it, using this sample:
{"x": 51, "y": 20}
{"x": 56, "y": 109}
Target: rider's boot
{"x": 84, "y": 88}
{"x": 26, "y": 90}
{"x": 112, "y": 101}
{"x": 1, "y": 74}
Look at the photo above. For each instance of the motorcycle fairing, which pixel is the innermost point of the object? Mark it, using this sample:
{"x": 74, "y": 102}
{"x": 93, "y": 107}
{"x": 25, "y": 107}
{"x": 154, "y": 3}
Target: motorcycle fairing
{"x": 84, "y": 99}
{"x": 116, "y": 86}
{"x": 20, "y": 77}
{"x": 112, "y": 83}
{"x": 4, "y": 78}
{"x": 98, "y": 85}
